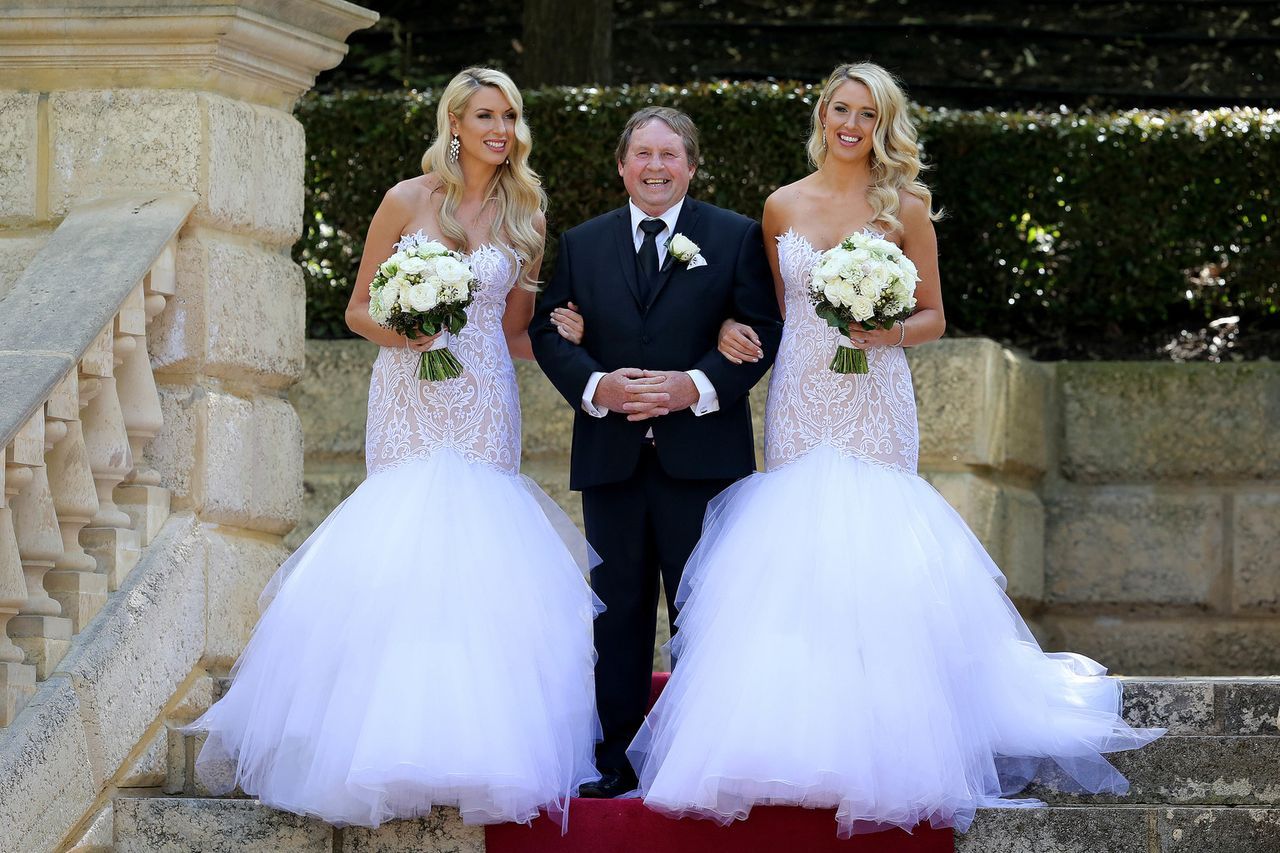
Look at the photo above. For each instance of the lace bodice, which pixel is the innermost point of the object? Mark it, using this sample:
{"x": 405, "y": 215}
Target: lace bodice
{"x": 477, "y": 414}
{"x": 872, "y": 417}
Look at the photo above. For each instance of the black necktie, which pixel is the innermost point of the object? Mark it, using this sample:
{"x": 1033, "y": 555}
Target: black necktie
{"x": 648, "y": 257}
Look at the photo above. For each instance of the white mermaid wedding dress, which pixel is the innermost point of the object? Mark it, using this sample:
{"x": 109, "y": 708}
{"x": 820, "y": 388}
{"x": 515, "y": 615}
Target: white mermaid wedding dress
{"x": 844, "y": 640}
{"x": 430, "y": 644}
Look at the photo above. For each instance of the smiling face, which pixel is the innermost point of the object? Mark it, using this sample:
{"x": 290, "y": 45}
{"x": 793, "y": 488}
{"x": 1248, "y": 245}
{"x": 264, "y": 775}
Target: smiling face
{"x": 850, "y": 118}
{"x": 485, "y": 127}
{"x": 656, "y": 171}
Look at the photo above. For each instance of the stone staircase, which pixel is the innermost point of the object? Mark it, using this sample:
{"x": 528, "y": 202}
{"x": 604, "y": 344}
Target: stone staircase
{"x": 1212, "y": 784}
{"x": 151, "y": 320}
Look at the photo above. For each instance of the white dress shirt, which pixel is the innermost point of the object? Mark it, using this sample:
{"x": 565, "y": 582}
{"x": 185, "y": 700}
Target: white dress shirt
{"x": 662, "y": 237}
{"x": 708, "y": 401}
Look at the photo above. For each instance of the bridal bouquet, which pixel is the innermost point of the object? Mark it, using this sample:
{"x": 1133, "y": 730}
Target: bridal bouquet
{"x": 424, "y": 289}
{"x": 867, "y": 281}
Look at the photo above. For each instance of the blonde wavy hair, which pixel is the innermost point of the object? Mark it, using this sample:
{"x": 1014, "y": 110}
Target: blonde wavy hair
{"x": 515, "y": 187}
{"x": 895, "y": 160}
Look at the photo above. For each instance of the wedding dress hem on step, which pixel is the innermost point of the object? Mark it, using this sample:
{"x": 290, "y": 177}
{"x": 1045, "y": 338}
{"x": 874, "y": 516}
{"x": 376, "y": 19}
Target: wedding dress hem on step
{"x": 844, "y": 642}
{"x": 417, "y": 653}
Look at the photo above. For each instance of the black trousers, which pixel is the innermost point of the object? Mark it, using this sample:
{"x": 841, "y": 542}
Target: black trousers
{"x": 642, "y": 528}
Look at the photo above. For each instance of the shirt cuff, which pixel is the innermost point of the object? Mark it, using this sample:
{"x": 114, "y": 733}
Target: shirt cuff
{"x": 589, "y": 393}
{"x": 708, "y": 400}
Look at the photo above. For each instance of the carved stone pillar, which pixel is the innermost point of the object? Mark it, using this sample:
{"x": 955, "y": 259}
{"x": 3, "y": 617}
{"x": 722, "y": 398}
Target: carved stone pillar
{"x": 75, "y": 581}
{"x": 17, "y": 678}
{"x": 110, "y": 538}
{"x": 141, "y": 495}
{"x": 39, "y": 629}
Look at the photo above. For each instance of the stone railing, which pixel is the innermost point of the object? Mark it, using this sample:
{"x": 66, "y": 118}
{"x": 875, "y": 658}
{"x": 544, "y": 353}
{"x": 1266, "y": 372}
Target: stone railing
{"x": 78, "y": 403}
{"x": 152, "y": 462}
{"x": 1134, "y": 508}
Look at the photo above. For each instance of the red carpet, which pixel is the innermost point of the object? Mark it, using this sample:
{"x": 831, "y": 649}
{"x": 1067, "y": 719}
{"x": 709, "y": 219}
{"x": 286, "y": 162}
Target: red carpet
{"x": 626, "y": 826}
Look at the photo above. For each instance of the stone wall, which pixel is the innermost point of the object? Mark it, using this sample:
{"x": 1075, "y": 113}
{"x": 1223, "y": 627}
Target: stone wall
{"x": 1135, "y": 508}
{"x": 1162, "y": 525}
{"x": 229, "y": 449}
{"x": 227, "y": 345}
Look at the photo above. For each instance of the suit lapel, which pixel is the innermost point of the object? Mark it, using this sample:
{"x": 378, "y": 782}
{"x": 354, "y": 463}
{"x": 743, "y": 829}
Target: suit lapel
{"x": 684, "y": 225}
{"x": 626, "y": 245}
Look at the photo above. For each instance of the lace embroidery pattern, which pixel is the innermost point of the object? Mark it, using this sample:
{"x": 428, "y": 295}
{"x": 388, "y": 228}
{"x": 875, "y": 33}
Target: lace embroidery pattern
{"x": 478, "y": 414}
{"x": 872, "y": 417}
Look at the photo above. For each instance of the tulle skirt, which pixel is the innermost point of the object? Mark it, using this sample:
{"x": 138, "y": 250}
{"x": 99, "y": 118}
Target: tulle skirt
{"x": 430, "y": 644}
{"x": 845, "y": 642}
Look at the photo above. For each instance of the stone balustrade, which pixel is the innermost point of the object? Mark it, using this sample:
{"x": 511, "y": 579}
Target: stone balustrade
{"x": 79, "y": 501}
{"x": 152, "y": 462}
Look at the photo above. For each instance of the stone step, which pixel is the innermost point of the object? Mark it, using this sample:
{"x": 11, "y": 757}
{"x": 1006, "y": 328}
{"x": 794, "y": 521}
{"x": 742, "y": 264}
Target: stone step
{"x": 1192, "y": 770}
{"x": 1174, "y": 770}
{"x": 1123, "y": 829}
{"x": 191, "y": 825}
{"x": 1205, "y": 706}
{"x": 176, "y": 825}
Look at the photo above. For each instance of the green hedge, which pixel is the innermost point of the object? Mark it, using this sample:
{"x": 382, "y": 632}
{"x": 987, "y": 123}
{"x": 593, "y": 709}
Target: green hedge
{"x": 1061, "y": 230}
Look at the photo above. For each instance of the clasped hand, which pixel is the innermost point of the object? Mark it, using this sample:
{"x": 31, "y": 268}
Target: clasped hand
{"x": 644, "y": 394}
{"x": 865, "y": 339}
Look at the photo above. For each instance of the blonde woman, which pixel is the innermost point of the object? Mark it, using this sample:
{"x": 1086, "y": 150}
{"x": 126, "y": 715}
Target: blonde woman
{"x": 845, "y": 642}
{"x": 430, "y": 643}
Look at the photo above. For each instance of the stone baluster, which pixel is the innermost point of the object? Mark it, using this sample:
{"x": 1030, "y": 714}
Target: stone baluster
{"x": 74, "y": 582}
{"x": 141, "y": 495}
{"x": 110, "y": 538}
{"x": 39, "y": 629}
{"x": 17, "y": 678}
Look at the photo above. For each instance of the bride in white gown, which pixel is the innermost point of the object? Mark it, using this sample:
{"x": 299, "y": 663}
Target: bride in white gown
{"x": 430, "y": 643}
{"x": 844, "y": 641}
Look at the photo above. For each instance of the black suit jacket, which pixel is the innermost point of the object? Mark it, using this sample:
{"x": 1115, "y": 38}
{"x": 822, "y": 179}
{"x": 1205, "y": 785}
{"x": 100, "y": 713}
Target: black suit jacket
{"x": 677, "y": 330}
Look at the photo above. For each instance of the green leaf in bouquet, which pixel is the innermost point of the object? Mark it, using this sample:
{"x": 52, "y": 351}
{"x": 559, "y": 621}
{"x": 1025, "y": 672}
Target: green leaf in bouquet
{"x": 831, "y": 315}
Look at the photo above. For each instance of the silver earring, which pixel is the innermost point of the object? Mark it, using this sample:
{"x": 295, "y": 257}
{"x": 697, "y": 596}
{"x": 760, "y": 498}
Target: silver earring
{"x": 824, "y": 136}
{"x": 454, "y": 147}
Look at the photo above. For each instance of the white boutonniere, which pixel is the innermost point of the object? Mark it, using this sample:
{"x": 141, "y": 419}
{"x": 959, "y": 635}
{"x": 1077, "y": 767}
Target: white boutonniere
{"x": 685, "y": 251}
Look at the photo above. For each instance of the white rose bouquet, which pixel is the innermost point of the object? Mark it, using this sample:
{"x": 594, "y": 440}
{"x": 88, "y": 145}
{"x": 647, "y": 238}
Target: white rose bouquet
{"x": 865, "y": 280}
{"x": 424, "y": 289}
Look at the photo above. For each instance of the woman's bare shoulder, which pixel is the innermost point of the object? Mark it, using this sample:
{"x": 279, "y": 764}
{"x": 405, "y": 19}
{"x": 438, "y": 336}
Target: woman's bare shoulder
{"x": 788, "y": 204}
{"x": 792, "y": 195}
{"x": 414, "y": 191}
{"x": 913, "y": 212}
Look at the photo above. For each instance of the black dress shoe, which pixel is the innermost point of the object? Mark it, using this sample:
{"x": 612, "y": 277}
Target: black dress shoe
{"x": 609, "y": 786}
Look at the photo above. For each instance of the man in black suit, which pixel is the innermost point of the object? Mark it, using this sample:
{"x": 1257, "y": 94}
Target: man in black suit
{"x": 662, "y": 421}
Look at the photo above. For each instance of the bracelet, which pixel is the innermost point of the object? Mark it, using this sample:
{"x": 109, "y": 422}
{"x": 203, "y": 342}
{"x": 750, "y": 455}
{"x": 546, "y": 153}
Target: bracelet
{"x": 902, "y": 335}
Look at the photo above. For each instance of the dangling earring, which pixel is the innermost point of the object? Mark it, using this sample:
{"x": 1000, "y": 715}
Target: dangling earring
{"x": 824, "y": 136}
{"x": 454, "y": 147}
